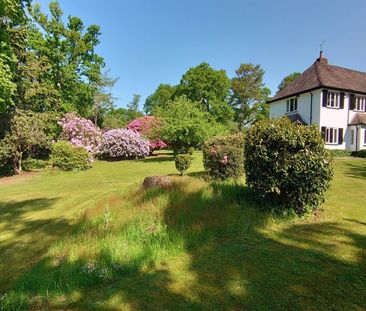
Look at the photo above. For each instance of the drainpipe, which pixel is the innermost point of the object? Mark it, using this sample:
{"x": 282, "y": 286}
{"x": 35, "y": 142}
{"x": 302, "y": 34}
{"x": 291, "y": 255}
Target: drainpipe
{"x": 311, "y": 108}
{"x": 356, "y": 137}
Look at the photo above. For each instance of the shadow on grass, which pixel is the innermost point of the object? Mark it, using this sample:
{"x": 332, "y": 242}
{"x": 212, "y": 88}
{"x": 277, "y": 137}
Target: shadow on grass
{"x": 24, "y": 240}
{"x": 236, "y": 264}
{"x": 356, "y": 170}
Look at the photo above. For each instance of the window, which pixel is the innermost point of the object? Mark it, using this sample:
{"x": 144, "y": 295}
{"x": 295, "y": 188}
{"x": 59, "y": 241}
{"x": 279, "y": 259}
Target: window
{"x": 333, "y": 100}
{"x": 360, "y": 103}
{"x": 364, "y": 137}
{"x": 331, "y": 135}
{"x": 352, "y": 136}
{"x": 291, "y": 104}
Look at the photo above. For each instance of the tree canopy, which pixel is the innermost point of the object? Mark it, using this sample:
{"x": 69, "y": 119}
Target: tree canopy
{"x": 209, "y": 88}
{"x": 249, "y": 94}
{"x": 287, "y": 80}
{"x": 160, "y": 98}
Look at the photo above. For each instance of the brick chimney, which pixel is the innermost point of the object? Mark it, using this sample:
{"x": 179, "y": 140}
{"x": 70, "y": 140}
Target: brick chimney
{"x": 322, "y": 59}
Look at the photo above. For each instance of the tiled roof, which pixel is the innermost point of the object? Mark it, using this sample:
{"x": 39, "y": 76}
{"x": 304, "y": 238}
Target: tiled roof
{"x": 296, "y": 118}
{"x": 359, "y": 118}
{"x": 321, "y": 74}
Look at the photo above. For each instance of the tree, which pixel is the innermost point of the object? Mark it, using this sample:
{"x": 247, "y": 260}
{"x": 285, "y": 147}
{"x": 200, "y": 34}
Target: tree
{"x": 287, "y": 80}
{"x": 119, "y": 117}
{"x": 27, "y": 131}
{"x": 209, "y": 88}
{"x": 160, "y": 98}
{"x": 248, "y": 94}
{"x": 185, "y": 125}
{"x": 74, "y": 69}
{"x": 134, "y": 104}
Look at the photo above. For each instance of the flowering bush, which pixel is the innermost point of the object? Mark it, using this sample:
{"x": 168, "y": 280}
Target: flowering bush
{"x": 80, "y": 132}
{"x": 123, "y": 144}
{"x": 147, "y": 127}
{"x": 223, "y": 156}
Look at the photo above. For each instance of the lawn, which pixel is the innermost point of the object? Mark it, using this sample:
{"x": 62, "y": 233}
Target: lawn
{"x": 95, "y": 241}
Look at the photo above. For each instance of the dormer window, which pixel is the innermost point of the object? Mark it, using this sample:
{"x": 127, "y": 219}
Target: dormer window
{"x": 333, "y": 99}
{"x": 360, "y": 103}
{"x": 291, "y": 104}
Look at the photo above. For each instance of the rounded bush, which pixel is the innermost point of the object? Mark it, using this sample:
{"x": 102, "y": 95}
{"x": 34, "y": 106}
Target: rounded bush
{"x": 68, "y": 157}
{"x": 119, "y": 144}
{"x": 287, "y": 164}
{"x": 223, "y": 156}
{"x": 183, "y": 162}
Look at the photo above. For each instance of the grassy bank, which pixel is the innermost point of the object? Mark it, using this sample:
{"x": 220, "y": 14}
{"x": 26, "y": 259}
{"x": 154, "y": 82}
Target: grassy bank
{"x": 81, "y": 242}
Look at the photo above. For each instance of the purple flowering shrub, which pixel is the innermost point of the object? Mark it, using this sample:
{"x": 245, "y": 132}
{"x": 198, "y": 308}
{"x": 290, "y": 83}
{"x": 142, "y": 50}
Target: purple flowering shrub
{"x": 120, "y": 144}
{"x": 80, "y": 132}
{"x": 148, "y": 127}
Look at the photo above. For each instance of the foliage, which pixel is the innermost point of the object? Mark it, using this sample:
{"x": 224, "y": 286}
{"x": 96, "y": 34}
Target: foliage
{"x": 359, "y": 153}
{"x": 209, "y": 89}
{"x": 287, "y": 80}
{"x": 118, "y": 144}
{"x": 249, "y": 95}
{"x": 119, "y": 117}
{"x": 148, "y": 127}
{"x": 27, "y": 132}
{"x": 80, "y": 132}
{"x": 32, "y": 164}
{"x": 134, "y": 104}
{"x": 160, "y": 98}
{"x": 185, "y": 125}
{"x": 190, "y": 150}
{"x": 183, "y": 162}
{"x": 223, "y": 156}
{"x": 68, "y": 157}
{"x": 340, "y": 153}
{"x": 287, "y": 164}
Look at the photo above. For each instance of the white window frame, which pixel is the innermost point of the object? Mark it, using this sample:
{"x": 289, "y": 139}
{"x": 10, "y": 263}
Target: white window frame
{"x": 331, "y": 135}
{"x": 359, "y": 103}
{"x": 352, "y": 137}
{"x": 364, "y": 137}
{"x": 333, "y": 100}
{"x": 291, "y": 105}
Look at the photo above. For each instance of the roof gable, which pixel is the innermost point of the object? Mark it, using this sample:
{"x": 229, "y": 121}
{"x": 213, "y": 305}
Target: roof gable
{"x": 321, "y": 74}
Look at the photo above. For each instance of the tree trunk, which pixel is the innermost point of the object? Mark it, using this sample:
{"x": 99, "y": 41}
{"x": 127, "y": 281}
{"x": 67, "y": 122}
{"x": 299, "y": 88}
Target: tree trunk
{"x": 17, "y": 162}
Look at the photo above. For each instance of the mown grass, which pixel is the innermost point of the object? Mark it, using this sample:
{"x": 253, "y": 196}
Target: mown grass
{"x": 194, "y": 246}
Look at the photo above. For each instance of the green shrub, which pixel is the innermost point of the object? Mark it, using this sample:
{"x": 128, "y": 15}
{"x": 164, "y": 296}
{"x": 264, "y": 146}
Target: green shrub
{"x": 339, "y": 153}
{"x": 183, "y": 162}
{"x": 359, "y": 154}
{"x": 287, "y": 164}
{"x": 34, "y": 164}
{"x": 190, "y": 150}
{"x": 223, "y": 156}
{"x": 68, "y": 157}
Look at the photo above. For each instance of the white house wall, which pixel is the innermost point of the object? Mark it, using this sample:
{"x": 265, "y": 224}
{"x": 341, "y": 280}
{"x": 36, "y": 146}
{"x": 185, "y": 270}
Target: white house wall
{"x": 323, "y": 116}
{"x": 278, "y": 108}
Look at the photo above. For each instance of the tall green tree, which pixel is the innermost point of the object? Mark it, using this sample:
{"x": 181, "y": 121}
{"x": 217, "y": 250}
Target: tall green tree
{"x": 12, "y": 30}
{"x": 287, "y": 80}
{"x": 249, "y": 94}
{"x": 73, "y": 68}
{"x": 209, "y": 88}
{"x": 134, "y": 104}
{"x": 186, "y": 125}
{"x": 160, "y": 98}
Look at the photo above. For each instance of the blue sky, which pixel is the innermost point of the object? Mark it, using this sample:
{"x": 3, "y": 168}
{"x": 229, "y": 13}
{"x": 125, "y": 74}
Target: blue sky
{"x": 148, "y": 42}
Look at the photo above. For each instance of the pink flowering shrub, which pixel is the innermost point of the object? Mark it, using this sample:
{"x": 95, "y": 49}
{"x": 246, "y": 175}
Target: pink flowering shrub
{"x": 147, "y": 126}
{"x": 120, "y": 144}
{"x": 223, "y": 156}
{"x": 80, "y": 132}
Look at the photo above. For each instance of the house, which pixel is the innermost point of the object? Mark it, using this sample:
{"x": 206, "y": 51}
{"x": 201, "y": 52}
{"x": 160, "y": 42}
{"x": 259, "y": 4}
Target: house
{"x": 331, "y": 97}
